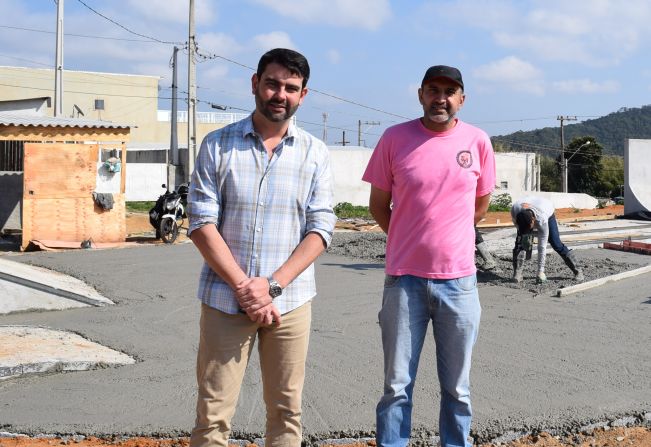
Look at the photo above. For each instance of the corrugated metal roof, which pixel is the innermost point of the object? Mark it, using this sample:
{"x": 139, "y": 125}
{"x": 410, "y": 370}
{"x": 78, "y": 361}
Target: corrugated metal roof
{"x": 17, "y": 119}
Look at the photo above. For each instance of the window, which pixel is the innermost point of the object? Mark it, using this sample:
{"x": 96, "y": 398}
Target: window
{"x": 11, "y": 156}
{"x": 106, "y": 153}
{"x": 504, "y": 185}
{"x": 99, "y": 104}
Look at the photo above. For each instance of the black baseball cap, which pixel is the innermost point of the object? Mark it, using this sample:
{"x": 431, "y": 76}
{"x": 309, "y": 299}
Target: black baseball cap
{"x": 443, "y": 71}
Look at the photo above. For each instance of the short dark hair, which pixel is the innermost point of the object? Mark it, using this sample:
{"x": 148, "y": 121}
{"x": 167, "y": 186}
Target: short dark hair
{"x": 523, "y": 220}
{"x": 292, "y": 60}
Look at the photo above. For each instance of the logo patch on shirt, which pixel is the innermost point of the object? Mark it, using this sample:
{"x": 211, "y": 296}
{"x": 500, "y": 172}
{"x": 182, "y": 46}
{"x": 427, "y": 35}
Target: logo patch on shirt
{"x": 464, "y": 158}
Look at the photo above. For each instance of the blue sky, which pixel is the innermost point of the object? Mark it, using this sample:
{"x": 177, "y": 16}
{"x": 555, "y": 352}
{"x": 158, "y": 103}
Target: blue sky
{"x": 524, "y": 61}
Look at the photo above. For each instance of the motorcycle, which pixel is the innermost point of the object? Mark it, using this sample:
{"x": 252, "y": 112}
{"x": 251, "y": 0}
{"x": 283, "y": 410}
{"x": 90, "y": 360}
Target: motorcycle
{"x": 168, "y": 213}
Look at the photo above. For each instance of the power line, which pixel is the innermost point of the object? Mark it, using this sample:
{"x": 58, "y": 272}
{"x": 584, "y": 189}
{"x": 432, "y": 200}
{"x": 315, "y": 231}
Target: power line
{"x": 129, "y": 30}
{"x": 78, "y": 81}
{"x": 297, "y": 120}
{"x": 85, "y": 93}
{"x": 209, "y": 56}
{"x": 513, "y": 120}
{"x": 25, "y": 60}
{"x": 80, "y": 35}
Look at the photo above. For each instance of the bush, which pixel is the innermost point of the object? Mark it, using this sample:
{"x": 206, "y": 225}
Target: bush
{"x": 345, "y": 210}
{"x": 501, "y": 202}
{"x": 140, "y": 207}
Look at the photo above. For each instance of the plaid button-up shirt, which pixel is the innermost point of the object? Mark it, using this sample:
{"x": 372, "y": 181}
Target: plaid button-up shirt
{"x": 263, "y": 207}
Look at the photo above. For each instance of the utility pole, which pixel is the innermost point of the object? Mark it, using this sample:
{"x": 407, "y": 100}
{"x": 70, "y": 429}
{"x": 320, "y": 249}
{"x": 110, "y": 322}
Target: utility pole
{"x": 325, "y": 128}
{"x": 343, "y": 139}
{"x": 192, "y": 97}
{"x": 563, "y": 160}
{"x": 359, "y": 129}
{"x": 174, "y": 139}
{"x": 58, "y": 65}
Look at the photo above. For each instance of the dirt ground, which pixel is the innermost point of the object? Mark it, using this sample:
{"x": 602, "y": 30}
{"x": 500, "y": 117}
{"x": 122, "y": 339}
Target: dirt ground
{"x": 601, "y": 437}
{"x": 139, "y": 230}
{"x": 562, "y": 215}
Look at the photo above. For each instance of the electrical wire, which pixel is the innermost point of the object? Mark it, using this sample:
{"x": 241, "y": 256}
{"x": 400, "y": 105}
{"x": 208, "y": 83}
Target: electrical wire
{"x": 209, "y": 56}
{"x": 25, "y": 60}
{"x": 87, "y": 36}
{"x": 86, "y": 93}
{"x": 127, "y": 29}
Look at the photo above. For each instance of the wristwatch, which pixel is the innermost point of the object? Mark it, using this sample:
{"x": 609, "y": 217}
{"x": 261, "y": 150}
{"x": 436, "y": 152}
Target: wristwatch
{"x": 274, "y": 288}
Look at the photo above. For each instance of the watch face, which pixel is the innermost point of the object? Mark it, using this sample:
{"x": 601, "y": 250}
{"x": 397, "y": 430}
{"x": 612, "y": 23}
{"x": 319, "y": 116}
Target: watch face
{"x": 275, "y": 289}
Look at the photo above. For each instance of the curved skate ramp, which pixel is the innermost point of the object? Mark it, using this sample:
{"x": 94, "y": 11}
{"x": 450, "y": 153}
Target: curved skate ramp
{"x": 637, "y": 172}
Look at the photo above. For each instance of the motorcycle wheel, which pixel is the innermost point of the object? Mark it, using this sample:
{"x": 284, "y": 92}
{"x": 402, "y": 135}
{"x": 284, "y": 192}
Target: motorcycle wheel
{"x": 169, "y": 230}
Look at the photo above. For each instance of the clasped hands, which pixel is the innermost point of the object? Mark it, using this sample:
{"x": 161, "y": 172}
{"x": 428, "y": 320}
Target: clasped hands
{"x": 252, "y": 294}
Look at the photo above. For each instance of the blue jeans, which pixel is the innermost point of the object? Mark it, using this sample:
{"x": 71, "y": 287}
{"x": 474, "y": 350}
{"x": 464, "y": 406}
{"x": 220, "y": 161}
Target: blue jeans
{"x": 408, "y": 305}
{"x": 554, "y": 237}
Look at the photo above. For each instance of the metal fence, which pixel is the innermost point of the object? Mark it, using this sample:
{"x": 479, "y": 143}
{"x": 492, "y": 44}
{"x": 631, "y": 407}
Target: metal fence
{"x": 11, "y": 156}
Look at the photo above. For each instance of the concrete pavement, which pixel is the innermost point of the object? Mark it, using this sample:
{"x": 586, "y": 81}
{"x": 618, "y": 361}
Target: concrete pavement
{"x": 540, "y": 361}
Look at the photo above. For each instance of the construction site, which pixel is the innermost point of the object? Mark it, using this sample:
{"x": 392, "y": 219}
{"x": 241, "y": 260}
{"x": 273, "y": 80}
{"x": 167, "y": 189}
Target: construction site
{"x": 98, "y": 346}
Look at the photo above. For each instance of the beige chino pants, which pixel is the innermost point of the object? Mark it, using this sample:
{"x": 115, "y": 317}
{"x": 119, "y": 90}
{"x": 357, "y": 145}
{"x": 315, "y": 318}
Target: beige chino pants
{"x": 225, "y": 345}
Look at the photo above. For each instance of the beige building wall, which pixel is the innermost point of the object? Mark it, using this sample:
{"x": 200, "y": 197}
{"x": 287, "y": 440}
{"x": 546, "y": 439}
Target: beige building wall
{"x": 160, "y": 132}
{"x": 127, "y": 99}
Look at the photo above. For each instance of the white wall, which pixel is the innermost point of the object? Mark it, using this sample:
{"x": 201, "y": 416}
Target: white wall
{"x": 637, "y": 176}
{"x": 517, "y": 170}
{"x": 348, "y": 164}
{"x": 144, "y": 181}
{"x": 563, "y": 200}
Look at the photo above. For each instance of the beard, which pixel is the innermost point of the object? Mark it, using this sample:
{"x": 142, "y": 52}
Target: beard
{"x": 436, "y": 116}
{"x": 267, "y": 109}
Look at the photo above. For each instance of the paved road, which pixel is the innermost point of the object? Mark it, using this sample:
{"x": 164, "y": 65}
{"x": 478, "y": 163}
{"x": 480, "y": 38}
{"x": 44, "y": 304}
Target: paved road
{"x": 540, "y": 361}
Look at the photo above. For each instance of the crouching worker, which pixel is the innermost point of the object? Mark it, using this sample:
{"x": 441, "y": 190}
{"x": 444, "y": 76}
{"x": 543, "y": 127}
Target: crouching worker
{"x": 536, "y": 212}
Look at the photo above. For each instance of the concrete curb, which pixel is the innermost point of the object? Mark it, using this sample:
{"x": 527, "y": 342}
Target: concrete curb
{"x": 51, "y": 282}
{"x": 601, "y": 281}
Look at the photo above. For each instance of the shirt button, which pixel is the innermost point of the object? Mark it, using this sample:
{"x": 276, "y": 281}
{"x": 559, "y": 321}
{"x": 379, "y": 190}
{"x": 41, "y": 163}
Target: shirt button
{"x": 261, "y": 203}
{"x": 258, "y": 229}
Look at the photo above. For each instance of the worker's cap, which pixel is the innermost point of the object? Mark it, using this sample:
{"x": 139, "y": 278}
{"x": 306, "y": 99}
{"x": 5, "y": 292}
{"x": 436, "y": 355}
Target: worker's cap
{"x": 523, "y": 221}
{"x": 443, "y": 71}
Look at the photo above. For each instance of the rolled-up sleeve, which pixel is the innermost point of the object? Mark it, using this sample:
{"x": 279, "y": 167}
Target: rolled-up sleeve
{"x": 204, "y": 198}
{"x": 320, "y": 217}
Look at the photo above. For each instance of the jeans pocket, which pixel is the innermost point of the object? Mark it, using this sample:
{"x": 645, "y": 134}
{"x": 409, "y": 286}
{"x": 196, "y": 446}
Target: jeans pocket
{"x": 390, "y": 280}
{"x": 467, "y": 283}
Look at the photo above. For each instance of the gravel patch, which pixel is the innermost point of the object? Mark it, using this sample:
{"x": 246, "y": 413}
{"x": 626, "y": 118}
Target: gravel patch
{"x": 371, "y": 246}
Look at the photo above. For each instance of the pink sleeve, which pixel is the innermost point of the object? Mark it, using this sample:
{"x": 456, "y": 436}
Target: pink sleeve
{"x": 486, "y": 181}
{"x": 378, "y": 171}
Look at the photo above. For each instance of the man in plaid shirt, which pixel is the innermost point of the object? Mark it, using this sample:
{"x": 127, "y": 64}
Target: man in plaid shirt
{"x": 260, "y": 210}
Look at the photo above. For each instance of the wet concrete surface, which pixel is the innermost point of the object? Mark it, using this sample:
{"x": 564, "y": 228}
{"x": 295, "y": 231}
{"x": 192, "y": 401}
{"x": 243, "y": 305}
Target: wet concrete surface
{"x": 540, "y": 361}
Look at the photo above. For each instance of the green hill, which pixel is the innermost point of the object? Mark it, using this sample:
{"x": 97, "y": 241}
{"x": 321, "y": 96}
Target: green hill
{"x": 611, "y": 131}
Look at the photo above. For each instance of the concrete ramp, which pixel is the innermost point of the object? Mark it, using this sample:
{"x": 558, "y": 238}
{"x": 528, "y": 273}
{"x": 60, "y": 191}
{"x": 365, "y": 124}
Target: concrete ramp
{"x": 637, "y": 176}
{"x": 25, "y": 287}
{"x": 32, "y": 350}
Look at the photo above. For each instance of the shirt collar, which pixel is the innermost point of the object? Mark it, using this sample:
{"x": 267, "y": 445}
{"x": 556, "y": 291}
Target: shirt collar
{"x": 247, "y": 128}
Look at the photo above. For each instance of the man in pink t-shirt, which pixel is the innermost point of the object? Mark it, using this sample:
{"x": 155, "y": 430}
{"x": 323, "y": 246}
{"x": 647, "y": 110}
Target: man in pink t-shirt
{"x": 431, "y": 180}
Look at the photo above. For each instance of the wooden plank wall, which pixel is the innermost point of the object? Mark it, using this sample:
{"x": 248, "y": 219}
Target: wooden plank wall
{"x": 73, "y": 219}
{"x": 59, "y": 180}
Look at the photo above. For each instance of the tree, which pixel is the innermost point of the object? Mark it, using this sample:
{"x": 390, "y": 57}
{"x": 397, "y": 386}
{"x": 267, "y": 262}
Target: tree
{"x": 583, "y": 157}
{"x": 612, "y": 176}
{"x": 550, "y": 174}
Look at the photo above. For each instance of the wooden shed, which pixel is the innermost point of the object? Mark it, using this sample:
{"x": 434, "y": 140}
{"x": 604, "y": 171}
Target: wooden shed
{"x": 71, "y": 170}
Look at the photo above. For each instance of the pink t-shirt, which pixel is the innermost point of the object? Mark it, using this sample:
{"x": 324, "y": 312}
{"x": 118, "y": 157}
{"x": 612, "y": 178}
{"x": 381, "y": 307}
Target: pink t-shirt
{"x": 433, "y": 178}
